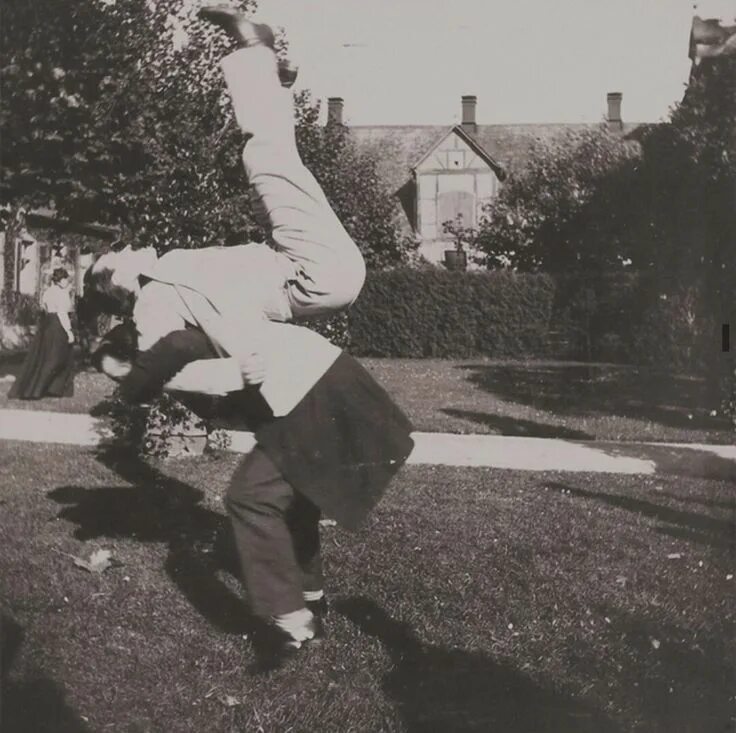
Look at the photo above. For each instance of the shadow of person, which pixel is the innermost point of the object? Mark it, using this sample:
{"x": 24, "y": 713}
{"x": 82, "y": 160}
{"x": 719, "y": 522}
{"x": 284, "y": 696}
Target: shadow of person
{"x": 678, "y": 460}
{"x": 438, "y": 689}
{"x": 569, "y": 389}
{"x": 693, "y": 526}
{"x": 30, "y": 702}
{"x": 518, "y": 427}
{"x": 160, "y": 509}
{"x": 685, "y": 687}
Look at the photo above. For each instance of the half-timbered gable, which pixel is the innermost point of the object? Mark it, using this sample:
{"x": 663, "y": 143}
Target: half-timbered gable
{"x": 439, "y": 172}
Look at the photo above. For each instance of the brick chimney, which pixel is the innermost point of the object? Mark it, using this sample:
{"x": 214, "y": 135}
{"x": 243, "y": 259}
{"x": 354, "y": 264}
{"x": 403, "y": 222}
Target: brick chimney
{"x": 334, "y": 110}
{"x": 614, "y": 111}
{"x": 469, "y": 124}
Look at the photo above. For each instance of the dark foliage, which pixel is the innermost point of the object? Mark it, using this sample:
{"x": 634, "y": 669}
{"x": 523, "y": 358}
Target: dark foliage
{"x": 432, "y": 312}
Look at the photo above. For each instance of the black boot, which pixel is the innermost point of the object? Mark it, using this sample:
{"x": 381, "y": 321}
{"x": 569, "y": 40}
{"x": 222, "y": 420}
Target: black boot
{"x": 238, "y": 27}
{"x": 274, "y": 647}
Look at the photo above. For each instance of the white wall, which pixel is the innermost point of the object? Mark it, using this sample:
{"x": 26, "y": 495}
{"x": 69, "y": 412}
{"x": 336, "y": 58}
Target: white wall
{"x": 28, "y": 255}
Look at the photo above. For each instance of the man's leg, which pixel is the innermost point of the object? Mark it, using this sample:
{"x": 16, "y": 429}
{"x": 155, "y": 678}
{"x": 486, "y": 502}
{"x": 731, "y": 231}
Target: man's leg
{"x": 303, "y": 521}
{"x": 258, "y": 500}
{"x": 328, "y": 268}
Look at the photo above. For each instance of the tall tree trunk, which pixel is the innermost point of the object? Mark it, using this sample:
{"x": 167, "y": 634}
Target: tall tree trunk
{"x": 16, "y": 222}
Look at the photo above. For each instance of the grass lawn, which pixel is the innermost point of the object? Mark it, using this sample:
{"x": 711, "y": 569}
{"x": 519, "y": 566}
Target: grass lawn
{"x": 537, "y": 399}
{"x": 474, "y": 600}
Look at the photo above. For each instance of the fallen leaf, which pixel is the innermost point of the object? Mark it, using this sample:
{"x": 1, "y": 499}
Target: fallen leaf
{"x": 229, "y": 701}
{"x": 655, "y": 643}
{"x": 621, "y": 580}
{"x": 98, "y": 562}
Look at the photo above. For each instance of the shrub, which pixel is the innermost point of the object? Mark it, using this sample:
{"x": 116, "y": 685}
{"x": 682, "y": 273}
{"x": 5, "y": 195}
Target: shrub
{"x": 19, "y": 309}
{"x": 153, "y": 430}
{"x": 674, "y": 332}
{"x": 436, "y": 313}
{"x": 567, "y": 208}
{"x": 598, "y": 312}
{"x": 19, "y": 313}
{"x": 334, "y": 328}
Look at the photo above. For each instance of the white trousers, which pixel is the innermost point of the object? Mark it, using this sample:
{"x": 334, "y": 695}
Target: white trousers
{"x": 326, "y": 268}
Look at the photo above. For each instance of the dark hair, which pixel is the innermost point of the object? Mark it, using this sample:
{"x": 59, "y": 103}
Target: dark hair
{"x": 120, "y": 342}
{"x": 59, "y": 274}
{"x": 104, "y": 297}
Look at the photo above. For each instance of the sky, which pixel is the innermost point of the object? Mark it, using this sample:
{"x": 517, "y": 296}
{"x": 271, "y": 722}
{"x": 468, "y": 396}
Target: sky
{"x": 409, "y": 61}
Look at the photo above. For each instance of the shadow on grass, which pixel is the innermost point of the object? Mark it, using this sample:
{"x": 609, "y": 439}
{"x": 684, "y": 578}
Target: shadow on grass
{"x": 595, "y": 389}
{"x": 676, "y": 522}
{"x": 161, "y": 509}
{"x": 34, "y": 703}
{"x": 684, "y": 685}
{"x": 516, "y": 427}
{"x": 684, "y": 462}
{"x": 729, "y": 504}
{"x": 438, "y": 689}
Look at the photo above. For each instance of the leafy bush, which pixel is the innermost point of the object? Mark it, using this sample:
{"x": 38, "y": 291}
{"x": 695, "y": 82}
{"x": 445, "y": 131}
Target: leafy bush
{"x": 596, "y": 314}
{"x": 567, "y": 209}
{"x": 334, "y": 328}
{"x": 150, "y": 429}
{"x": 19, "y": 309}
{"x": 673, "y": 333}
{"x": 433, "y": 312}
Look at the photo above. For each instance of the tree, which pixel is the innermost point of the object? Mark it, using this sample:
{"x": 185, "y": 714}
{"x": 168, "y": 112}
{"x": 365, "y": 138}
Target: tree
{"x": 350, "y": 180}
{"x": 109, "y": 116}
{"x": 661, "y": 205}
{"x": 542, "y": 219}
{"x": 660, "y": 200}
{"x": 705, "y": 127}
{"x": 49, "y": 88}
{"x": 115, "y": 111}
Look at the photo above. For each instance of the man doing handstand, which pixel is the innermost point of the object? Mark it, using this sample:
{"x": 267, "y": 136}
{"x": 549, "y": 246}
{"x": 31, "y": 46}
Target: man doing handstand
{"x": 312, "y": 266}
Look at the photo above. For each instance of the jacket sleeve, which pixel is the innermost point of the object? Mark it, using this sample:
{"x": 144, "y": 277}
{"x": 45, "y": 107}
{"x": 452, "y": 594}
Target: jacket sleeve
{"x": 155, "y": 366}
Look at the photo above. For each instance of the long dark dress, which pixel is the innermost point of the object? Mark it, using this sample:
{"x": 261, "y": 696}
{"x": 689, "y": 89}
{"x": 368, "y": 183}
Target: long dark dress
{"x": 48, "y": 369}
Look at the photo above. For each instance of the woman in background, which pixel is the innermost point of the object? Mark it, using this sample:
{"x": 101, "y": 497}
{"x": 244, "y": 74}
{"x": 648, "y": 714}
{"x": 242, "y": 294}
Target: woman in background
{"x": 48, "y": 369}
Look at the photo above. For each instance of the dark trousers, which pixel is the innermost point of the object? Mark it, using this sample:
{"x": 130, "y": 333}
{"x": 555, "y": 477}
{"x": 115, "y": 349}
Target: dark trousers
{"x": 276, "y": 534}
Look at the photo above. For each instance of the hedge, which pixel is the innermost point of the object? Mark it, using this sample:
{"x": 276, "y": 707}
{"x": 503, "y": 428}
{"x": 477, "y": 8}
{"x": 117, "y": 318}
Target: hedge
{"x": 432, "y": 312}
{"x": 618, "y": 317}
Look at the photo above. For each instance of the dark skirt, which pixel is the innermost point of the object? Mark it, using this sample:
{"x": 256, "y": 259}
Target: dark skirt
{"x": 48, "y": 369}
{"x": 342, "y": 444}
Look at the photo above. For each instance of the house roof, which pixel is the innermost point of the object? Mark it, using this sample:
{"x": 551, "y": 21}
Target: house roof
{"x": 508, "y": 146}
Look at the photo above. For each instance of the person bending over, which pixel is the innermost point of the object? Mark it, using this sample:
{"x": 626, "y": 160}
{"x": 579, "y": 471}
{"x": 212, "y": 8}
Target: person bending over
{"x": 334, "y": 451}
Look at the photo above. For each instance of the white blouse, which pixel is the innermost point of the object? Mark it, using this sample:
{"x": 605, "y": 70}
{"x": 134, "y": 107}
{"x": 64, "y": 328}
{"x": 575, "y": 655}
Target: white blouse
{"x": 57, "y": 300}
